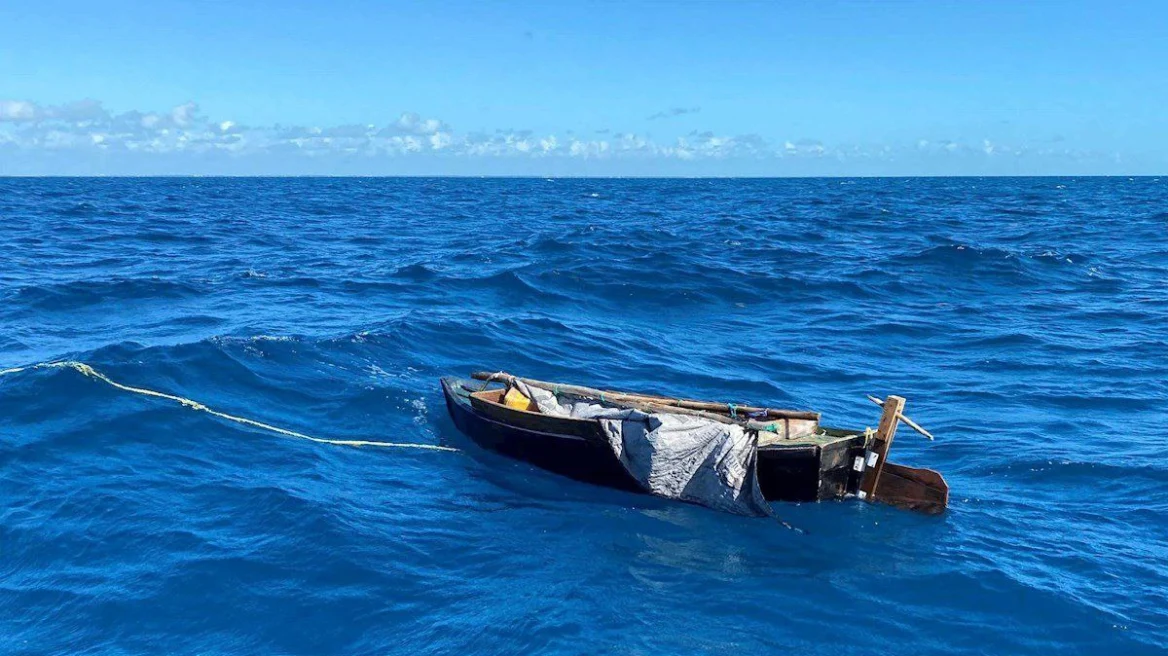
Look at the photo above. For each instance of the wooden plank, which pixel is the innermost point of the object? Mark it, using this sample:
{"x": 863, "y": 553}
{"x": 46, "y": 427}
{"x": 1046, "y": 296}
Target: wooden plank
{"x": 487, "y": 403}
{"x": 913, "y": 488}
{"x": 908, "y": 422}
{"x": 889, "y": 421}
{"x": 721, "y": 408}
{"x": 643, "y": 406}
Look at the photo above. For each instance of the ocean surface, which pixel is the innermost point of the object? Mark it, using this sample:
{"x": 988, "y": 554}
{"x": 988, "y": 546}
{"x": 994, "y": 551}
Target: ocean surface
{"x": 1025, "y": 320}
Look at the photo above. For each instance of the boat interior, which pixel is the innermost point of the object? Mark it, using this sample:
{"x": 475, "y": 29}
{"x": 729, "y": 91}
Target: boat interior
{"x": 795, "y": 433}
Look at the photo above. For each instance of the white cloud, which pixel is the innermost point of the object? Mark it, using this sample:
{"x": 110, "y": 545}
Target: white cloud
{"x": 440, "y": 140}
{"x": 808, "y": 148}
{"x": 413, "y": 123}
{"x": 87, "y": 127}
{"x": 17, "y": 110}
{"x": 184, "y": 114}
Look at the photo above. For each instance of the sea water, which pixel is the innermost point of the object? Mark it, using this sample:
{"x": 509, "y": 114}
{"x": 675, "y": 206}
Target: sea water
{"x": 1025, "y": 320}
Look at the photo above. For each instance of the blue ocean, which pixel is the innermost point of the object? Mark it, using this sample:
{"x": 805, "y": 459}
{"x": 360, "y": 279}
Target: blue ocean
{"x": 1024, "y": 319}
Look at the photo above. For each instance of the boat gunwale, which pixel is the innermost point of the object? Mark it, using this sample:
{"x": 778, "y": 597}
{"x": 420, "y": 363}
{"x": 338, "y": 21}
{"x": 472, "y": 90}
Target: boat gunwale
{"x": 833, "y": 434}
{"x": 912, "y": 488}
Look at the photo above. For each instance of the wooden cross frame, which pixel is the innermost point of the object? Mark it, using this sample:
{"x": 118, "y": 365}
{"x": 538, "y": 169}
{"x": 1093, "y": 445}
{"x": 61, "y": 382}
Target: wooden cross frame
{"x": 889, "y": 421}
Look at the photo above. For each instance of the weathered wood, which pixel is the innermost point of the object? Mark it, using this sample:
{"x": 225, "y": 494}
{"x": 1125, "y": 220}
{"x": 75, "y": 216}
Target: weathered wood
{"x": 907, "y": 422}
{"x": 642, "y": 406}
{"x": 913, "y": 488}
{"x": 489, "y": 403}
{"x": 798, "y": 469}
{"x": 787, "y": 473}
{"x": 650, "y": 398}
{"x": 889, "y": 421}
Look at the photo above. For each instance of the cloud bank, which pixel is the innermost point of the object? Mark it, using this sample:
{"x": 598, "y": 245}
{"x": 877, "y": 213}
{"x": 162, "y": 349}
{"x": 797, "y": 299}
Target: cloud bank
{"x": 85, "y": 138}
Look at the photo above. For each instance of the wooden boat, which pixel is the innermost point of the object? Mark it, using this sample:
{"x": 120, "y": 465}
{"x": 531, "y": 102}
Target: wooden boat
{"x": 798, "y": 459}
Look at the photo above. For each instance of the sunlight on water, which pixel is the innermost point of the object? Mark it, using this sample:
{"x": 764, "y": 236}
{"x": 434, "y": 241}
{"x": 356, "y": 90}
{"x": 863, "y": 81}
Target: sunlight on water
{"x": 1024, "y": 320}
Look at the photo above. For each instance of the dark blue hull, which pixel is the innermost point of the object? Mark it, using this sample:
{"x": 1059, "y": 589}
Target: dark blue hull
{"x": 585, "y": 459}
{"x": 787, "y": 473}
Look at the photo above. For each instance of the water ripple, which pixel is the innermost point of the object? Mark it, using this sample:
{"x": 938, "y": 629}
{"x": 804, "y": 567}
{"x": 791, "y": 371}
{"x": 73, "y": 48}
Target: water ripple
{"x": 1024, "y": 319}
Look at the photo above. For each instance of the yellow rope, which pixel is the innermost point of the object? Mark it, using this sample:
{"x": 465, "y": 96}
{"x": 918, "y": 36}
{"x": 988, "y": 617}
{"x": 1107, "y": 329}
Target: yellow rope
{"x": 90, "y": 372}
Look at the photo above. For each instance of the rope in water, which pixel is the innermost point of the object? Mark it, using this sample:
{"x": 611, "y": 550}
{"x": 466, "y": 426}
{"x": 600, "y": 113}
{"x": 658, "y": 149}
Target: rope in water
{"x": 90, "y": 372}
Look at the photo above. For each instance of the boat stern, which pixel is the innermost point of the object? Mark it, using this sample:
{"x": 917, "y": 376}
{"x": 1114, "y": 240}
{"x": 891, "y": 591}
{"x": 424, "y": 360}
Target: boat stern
{"x": 911, "y": 488}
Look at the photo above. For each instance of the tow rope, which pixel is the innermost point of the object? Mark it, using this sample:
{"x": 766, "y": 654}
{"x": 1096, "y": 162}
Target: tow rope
{"x": 90, "y": 372}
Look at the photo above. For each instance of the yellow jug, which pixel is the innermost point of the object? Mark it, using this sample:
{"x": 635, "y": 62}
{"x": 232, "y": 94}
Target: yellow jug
{"x": 516, "y": 400}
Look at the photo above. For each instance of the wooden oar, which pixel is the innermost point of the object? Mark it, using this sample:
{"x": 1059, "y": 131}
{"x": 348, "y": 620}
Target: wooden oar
{"x": 615, "y": 398}
{"x": 908, "y": 422}
{"x": 656, "y": 400}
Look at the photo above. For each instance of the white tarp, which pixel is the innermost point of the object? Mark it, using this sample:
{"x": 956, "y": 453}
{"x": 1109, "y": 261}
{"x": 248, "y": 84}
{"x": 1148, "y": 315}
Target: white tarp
{"x": 675, "y": 456}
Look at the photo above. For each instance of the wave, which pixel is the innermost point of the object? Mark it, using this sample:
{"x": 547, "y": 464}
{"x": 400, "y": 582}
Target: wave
{"x": 1116, "y": 477}
{"x": 1029, "y": 341}
{"x": 74, "y": 295}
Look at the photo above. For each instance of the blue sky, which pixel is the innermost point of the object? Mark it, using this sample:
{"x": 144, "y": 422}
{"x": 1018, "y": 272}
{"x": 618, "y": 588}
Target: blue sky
{"x": 584, "y": 88}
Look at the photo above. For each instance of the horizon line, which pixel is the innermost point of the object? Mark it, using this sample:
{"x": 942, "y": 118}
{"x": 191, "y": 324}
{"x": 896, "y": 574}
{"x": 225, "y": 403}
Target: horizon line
{"x": 572, "y": 177}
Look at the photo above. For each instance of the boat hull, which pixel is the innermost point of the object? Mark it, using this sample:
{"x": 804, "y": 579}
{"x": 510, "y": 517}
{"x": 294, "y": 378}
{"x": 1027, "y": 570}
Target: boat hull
{"x": 799, "y": 472}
